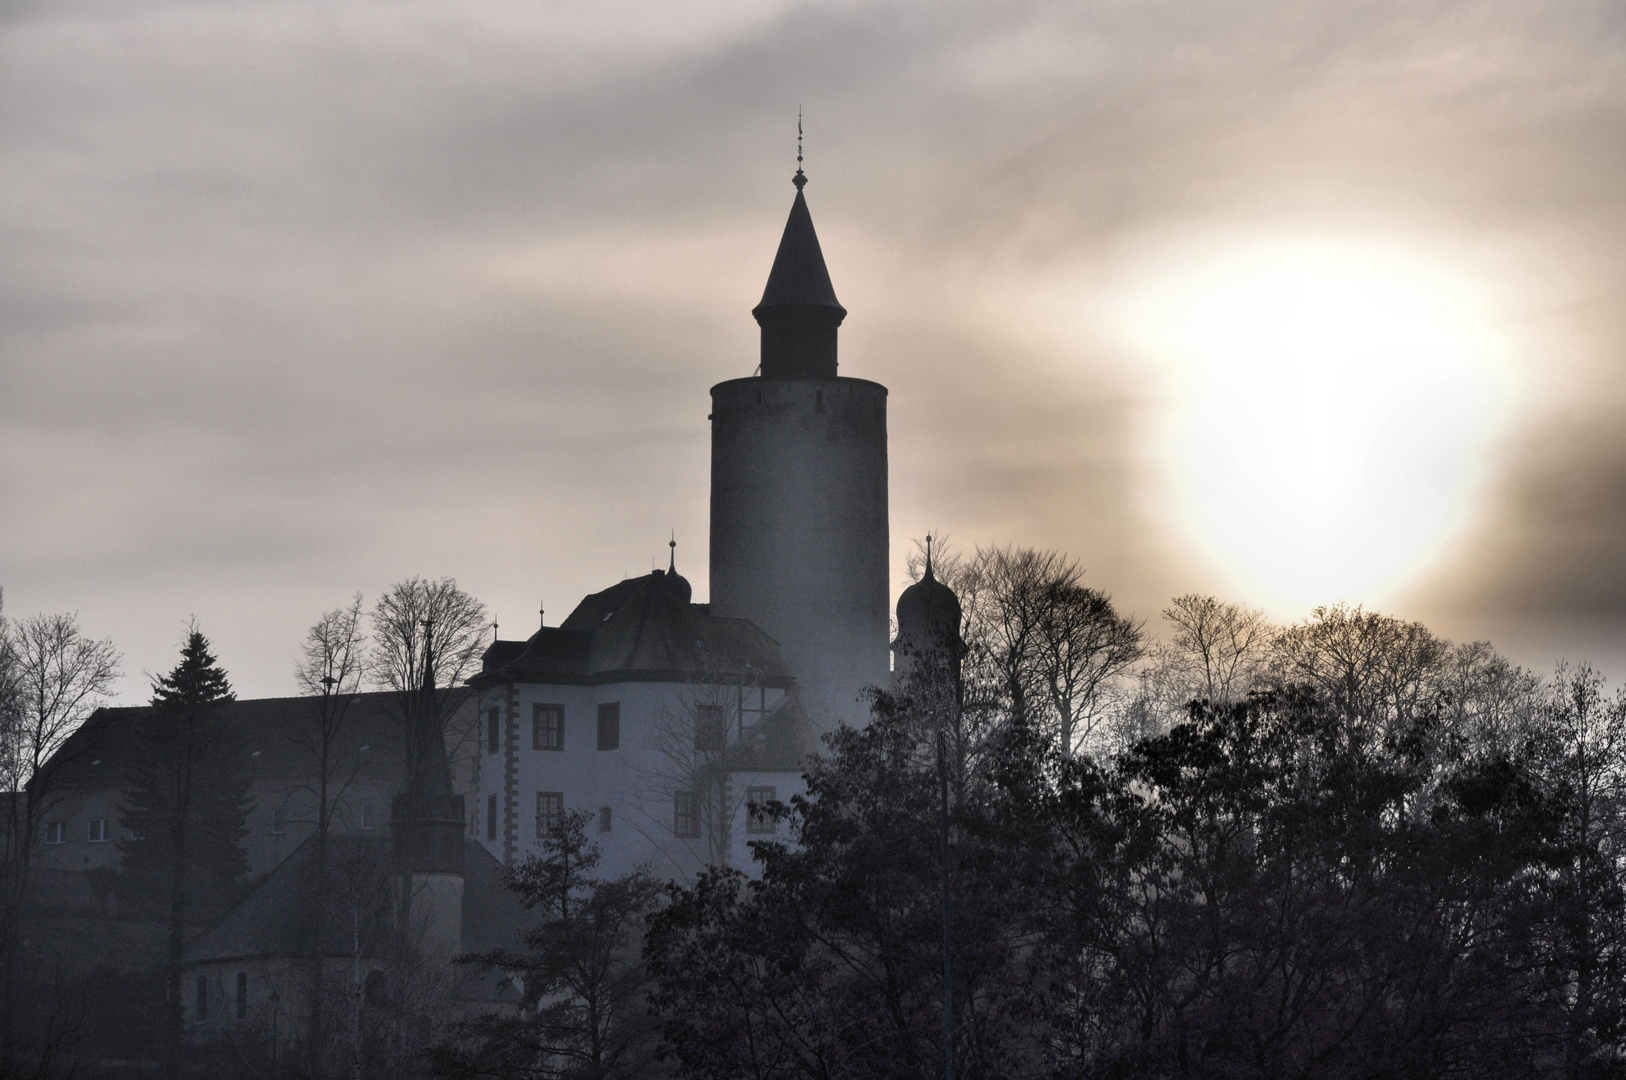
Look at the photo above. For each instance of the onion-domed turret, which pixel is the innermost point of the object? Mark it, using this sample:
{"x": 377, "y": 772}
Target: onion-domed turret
{"x": 929, "y": 618}
{"x": 675, "y": 582}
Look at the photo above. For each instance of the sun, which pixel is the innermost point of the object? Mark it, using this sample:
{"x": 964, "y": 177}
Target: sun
{"x": 1328, "y": 408}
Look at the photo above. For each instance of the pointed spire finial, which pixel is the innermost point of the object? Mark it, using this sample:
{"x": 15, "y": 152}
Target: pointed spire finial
{"x": 800, "y": 179}
{"x": 671, "y": 567}
{"x": 541, "y": 613}
{"x": 928, "y": 556}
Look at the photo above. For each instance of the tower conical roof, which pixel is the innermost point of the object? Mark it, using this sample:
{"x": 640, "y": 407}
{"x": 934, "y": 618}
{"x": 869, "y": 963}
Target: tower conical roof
{"x": 799, "y": 277}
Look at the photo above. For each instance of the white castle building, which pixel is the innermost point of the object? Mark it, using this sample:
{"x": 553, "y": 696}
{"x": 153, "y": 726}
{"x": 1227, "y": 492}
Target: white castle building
{"x": 673, "y": 722}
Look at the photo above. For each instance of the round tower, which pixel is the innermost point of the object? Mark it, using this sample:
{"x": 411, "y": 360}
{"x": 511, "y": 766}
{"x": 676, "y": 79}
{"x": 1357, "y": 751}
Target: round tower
{"x": 799, "y": 534}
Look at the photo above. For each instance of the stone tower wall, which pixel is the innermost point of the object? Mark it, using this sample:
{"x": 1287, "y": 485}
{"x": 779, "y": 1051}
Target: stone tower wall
{"x": 799, "y": 535}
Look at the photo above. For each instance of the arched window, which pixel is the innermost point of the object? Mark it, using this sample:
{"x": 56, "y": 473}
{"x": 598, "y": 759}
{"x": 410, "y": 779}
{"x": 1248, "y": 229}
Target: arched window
{"x": 242, "y": 995}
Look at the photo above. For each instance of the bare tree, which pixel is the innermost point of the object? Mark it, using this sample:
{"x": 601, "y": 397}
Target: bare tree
{"x": 1378, "y": 671}
{"x": 1222, "y": 645}
{"x": 428, "y": 637}
{"x": 1042, "y": 647}
{"x": 1083, "y": 646}
{"x": 699, "y": 737}
{"x": 330, "y": 670}
{"x": 52, "y": 677}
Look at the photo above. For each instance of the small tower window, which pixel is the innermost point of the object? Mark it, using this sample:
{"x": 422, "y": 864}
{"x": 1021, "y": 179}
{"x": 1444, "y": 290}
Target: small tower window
{"x": 242, "y": 995}
{"x": 609, "y": 725}
{"x": 369, "y": 817}
{"x": 201, "y": 1008}
{"x": 376, "y": 991}
{"x": 605, "y": 821}
{"x": 491, "y": 817}
{"x": 493, "y": 731}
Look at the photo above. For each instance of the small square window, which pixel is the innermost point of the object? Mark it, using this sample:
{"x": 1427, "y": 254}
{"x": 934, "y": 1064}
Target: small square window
{"x": 609, "y": 725}
{"x": 550, "y": 812}
{"x": 56, "y": 832}
{"x": 547, "y": 727}
{"x": 605, "y": 819}
{"x": 491, "y": 817}
{"x": 685, "y": 815}
{"x": 493, "y": 731}
{"x": 710, "y": 728}
{"x": 758, "y": 820}
{"x": 96, "y": 831}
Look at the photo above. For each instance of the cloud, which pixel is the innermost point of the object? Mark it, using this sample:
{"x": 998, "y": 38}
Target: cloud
{"x": 301, "y": 298}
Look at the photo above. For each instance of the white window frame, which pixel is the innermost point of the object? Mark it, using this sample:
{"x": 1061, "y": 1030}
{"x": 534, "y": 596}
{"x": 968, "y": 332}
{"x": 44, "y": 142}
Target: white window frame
{"x": 758, "y": 822}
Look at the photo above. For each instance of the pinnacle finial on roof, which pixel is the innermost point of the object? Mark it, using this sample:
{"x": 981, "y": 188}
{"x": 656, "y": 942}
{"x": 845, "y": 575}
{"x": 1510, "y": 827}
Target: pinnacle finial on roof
{"x": 928, "y": 556}
{"x": 671, "y": 567}
{"x": 800, "y": 179}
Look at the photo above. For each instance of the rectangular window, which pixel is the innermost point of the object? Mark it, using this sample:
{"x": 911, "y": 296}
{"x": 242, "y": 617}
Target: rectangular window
{"x": 369, "y": 816}
{"x": 96, "y": 830}
{"x": 56, "y": 832}
{"x": 242, "y": 995}
{"x": 550, "y": 812}
{"x": 493, "y": 731}
{"x": 605, "y": 820}
{"x": 757, "y": 818}
{"x": 201, "y": 1011}
{"x": 278, "y": 825}
{"x": 710, "y": 728}
{"x": 491, "y": 817}
{"x": 609, "y": 725}
{"x": 547, "y": 727}
{"x": 685, "y": 814}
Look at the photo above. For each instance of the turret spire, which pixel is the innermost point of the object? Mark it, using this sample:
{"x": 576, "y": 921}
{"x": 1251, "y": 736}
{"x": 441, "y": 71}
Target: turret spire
{"x": 799, "y": 312}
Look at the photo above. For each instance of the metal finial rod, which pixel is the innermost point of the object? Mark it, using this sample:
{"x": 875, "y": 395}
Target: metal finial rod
{"x": 800, "y": 179}
{"x": 672, "y": 566}
{"x": 541, "y": 613}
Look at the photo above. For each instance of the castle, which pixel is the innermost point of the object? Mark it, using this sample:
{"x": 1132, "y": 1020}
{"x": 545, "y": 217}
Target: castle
{"x": 673, "y": 724}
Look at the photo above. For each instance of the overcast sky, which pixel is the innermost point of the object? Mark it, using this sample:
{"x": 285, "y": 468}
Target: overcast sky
{"x": 302, "y": 298}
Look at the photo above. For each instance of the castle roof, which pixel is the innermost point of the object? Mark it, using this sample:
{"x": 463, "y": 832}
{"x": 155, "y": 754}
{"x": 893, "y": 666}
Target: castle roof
{"x": 640, "y": 629}
{"x": 799, "y": 277}
{"x": 272, "y": 731}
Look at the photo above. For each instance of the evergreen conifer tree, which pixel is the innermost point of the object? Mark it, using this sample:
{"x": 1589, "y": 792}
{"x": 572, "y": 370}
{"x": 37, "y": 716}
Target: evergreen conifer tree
{"x": 186, "y": 806}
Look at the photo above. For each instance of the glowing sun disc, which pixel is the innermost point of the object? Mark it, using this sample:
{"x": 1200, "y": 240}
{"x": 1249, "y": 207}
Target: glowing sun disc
{"x": 1328, "y": 409}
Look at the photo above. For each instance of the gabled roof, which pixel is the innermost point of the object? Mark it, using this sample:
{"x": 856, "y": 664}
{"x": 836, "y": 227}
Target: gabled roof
{"x": 272, "y": 731}
{"x": 643, "y": 628}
